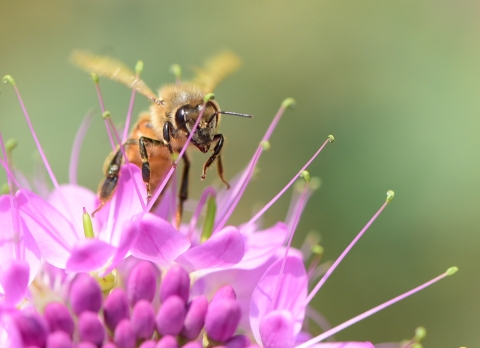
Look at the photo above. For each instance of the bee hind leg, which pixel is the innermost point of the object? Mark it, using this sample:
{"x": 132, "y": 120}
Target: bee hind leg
{"x": 109, "y": 184}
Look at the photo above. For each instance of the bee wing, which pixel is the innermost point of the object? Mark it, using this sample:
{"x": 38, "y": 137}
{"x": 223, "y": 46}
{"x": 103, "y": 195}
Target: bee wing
{"x": 215, "y": 70}
{"x": 112, "y": 69}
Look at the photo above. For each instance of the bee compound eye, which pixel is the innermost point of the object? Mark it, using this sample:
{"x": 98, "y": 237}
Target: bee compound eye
{"x": 182, "y": 115}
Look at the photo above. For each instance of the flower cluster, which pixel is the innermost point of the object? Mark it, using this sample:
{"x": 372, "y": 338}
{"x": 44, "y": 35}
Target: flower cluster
{"x": 130, "y": 278}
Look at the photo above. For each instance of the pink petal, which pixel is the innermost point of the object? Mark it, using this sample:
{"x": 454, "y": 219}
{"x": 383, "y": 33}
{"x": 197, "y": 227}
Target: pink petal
{"x": 89, "y": 255}
{"x": 53, "y": 233}
{"x": 223, "y": 249}
{"x": 13, "y": 243}
{"x": 124, "y": 205}
{"x": 291, "y": 293}
{"x": 276, "y": 330}
{"x": 14, "y": 277}
{"x": 77, "y": 198}
{"x": 130, "y": 233}
{"x": 260, "y": 246}
{"x": 160, "y": 242}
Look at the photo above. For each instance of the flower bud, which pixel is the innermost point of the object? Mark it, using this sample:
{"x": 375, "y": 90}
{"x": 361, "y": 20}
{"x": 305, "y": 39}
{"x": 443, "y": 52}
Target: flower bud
{"x": 143, "y": 319}
{"x": 85, "y": 345}
{"x": 222, "y": 319}
{"x": 167, "y": 341}
{"x": 32, "y": 327}
{"x": 238, "y": 341}
{"x": 175, "y": 282}
{"x": 124, "y": 337}
{"x": 59, "y": 339}
{"x": 142, "y": 283}
{"x": 115, "y": 308}
{"x": 225, "y": 292}
{"x": 195, "y": 318}
{"x": 90, "y": 328}
{"x": 59, "y": 318}
{"x": 193, "y": 344}
{"x": 170, "y": 317}
{"x": 85, "y": 294}
{"x": 148, "y": 344}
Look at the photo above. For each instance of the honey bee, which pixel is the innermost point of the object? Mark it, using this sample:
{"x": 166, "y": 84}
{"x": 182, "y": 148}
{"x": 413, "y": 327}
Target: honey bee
{"x": 162, "y": 131}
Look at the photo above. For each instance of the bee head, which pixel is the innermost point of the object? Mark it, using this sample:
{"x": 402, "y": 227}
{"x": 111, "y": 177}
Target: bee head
{"x": 187, "y": 115}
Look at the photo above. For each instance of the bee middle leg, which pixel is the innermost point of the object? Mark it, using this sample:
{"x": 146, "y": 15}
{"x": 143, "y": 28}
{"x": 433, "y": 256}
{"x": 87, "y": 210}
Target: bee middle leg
{"x": 216, "y": 153}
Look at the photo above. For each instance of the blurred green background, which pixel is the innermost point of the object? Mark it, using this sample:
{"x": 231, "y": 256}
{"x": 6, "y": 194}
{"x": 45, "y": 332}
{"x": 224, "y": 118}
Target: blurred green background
{"x": 396, "y": 82}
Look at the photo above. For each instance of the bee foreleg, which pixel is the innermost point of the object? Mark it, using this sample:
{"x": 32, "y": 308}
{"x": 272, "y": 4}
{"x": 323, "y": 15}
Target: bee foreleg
{"x": 216, "y": 153}
{"x": 168, "y": 130}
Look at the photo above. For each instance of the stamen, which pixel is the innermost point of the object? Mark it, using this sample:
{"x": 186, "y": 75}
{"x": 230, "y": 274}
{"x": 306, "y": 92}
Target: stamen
{"x": 239, "y": 189}
{"x": 96, "y": 80}
{"x": 7, "y": 159}
{"x": 9, "y": 79}
{"x": 159, "y": 190}
{"x": 274, "y": 199}
{"x": 208, "y": 192}
{"x": 176, "y": 70}
{"x": 322, "y": 281}
{"x": 17, "y": 232}
{"x": 306, "y": 176}
{"x": 138, "y": 71}
{"x": 77, "y": 143}
{"x": 374, "y": 310}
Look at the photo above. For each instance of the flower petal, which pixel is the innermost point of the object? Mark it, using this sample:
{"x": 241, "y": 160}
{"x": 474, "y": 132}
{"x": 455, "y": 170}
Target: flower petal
{"x": 89, "y": 255}
{"x": 77, "y": 198}
{"x": 160, "y": 242}
{"x": 14, "y": 277}
{"x": 53, "y": 233}
{"x": 8, "y": 238}
{"x": 276, "y": 330}
{"x": 223, "y": 249}
{"x": 290, "y": 289}
{"x": 261, "y": 245}
{"x": 124, "y": 205}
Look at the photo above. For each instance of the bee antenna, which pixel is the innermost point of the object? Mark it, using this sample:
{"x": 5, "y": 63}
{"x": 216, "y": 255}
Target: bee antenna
{"x": 234, "y": 114}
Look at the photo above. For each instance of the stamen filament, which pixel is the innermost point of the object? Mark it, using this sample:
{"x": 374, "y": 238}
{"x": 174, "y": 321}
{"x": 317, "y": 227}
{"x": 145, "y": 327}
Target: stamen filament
{"x": 274, "y": 199}
{"x": 14, "y": 213}
{"x": 290, "y": 237}
{"x": 102, "y": 108}
{"x": 239, "y": 189}
{"x": 342, "y": 255}
{"x": 138, "y": 70}
{"x": 40, "y": 150}
{"x": 374, "y": 310}
{"x": 77, "y": 142}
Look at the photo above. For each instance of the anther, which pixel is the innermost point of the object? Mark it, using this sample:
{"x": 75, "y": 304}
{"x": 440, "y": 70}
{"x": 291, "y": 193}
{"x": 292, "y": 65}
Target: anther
{"x": 176, "y": 70}
{"x": 208, "y": 97}
{"x": 139, "y": 67}
{"x": 87, "y": 225}
{"x": 288, "y": 103}
{"x": 8, "y": 79}
{"x": 106, "y": 114}
{"x": 390, "y": 195}
{"x": 331, "y": 138}
{"x": 305, "y": 175}
{"x": 265, "y": 145}
{"x": 94, "y": 77}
